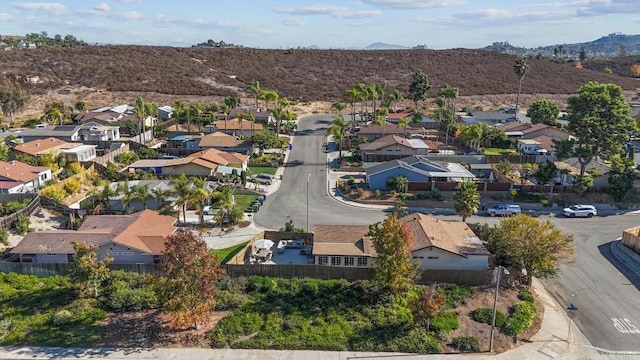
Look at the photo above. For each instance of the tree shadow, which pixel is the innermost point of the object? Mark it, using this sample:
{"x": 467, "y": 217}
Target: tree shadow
{"x": 607, "y": 251}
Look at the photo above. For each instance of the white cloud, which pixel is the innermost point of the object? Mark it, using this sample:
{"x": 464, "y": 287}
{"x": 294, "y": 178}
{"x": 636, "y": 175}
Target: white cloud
{"x": 51, "y": 8}
{"x": 292, "y": 22}
{"x": 413, "y": 4}
{"x": 130, "y": 15}
{"x": 360, "y": 14}
{"x": 603, "y": 7}
{"x": 310, "y": 10}
{"x": 102, "y": 7}
{"x": 5, "y": 17}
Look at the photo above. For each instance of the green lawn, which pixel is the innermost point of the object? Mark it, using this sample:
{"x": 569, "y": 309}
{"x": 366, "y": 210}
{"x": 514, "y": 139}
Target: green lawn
{"x": 226, "y": 254}
{"x": 262, "y": 170}
{"x": 244, "y": 201}
{"x": 498, "y": 151}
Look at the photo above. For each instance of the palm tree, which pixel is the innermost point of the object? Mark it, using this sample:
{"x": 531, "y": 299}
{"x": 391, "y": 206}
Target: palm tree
{"x": 352, "y": 95}
{"x": 278, "y": 115}
{"x": 140, "y": 112}
{"x": 380, "y": 89}
{"x": 127, "y": 194}
{"x": 338, "y": 107}
{"x": 284, "y": 103}
{"x": 404, "y": 122}
{"x": 269, "y": 96}
{"x": 450, "y": 94}
{"x": 54, "y": 115}
{"x": 160, "y": 196}
{"x": 181, "y": 190}
{"x": 395, "y": 97}
{"x": 225, "y": 110}
{"x": 196, "y": 110}
{"x": 247, "y": 115}
{"x": 338, "y": 129}
{"x": 104, "y": 194}
{"x": 472, "y": 135}
{"x": 362, "y": 91}
{"x": 141, "y": 193}
{"x": 520, "y": 68}
{"x": 381, "y": 119}
{"x": 372, "y": 94}
{"x": 179, "y": 108}
{"x": 466, "y": 200}
{"x": 151, "y": 110}
{"x": 224, "y": 200}
{"x": 199, "y": 196}
{"x": 232, "y": 101}
{"x": 254, "y": 88}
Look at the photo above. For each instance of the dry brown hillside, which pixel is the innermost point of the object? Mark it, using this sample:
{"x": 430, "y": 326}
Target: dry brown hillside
{"x": 163, "y": 74}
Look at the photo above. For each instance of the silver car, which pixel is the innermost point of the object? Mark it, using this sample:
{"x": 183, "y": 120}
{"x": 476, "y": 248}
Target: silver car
{"x": 580, "y": 211}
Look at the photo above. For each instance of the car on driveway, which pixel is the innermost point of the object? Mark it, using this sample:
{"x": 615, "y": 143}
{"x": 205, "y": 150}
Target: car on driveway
{"x": 262, "y": 178}
{"x": 580, "y": 211}
{"x": 504, "y": 210}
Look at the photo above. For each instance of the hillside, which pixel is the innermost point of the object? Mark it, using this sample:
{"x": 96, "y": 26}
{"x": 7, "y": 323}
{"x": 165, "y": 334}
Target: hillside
{"x": 300, "y": 75}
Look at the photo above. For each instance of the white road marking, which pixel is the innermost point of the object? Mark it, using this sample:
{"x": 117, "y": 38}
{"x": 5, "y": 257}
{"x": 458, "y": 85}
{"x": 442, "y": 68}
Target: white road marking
{"x": 625, "y": 326}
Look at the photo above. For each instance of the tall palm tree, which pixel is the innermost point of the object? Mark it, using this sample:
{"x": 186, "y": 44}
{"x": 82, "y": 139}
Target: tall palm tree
{"x": 160, "y": 196}
{"x": 179, "y": 108}
{"x": 269, "y": 96}
{"x": 352, "y": 96}
{"x": 520, "y": 68}
{"x": 196, "y": 110}
{"x": 466, "y": 200}
{"x": 225, "y": 110}
{"x": 181, "y": 190}
{"x": 53, "y": 116}
{"x": 104, "y": 196}
{"x": 254, "y": 88}
{"x": 372, "y": 93}
{"x": 199, "y": 196}
{"x": 380, "y": 91}
{"x": 363, "y": 95}
{"x": 284, "y": 103}
{"x": 248, "y": 115}
{"x": 472, "y": 135}
{"x": 338, "y": 107}
{"x": 396, "y": 97}
{"x": 126, "y": 195}
{"x": 278, "y": 115}
{"x": 404, "y": 122}
{"x": 141, "y": 193}
{"x": 338, "y": 129}
{"x": 381, "y": 119}
{"x": 225, "y": 202}
{"x": 232, "y": 101}
{"x": 140, "y": 112}
{"x": 151, "y": 110}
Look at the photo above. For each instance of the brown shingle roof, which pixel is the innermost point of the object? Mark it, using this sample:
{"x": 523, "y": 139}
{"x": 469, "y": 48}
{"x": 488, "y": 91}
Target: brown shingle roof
{"x": 534, "y": 127}
{"x": 40, "y": 146}
{"x": 347, "y": 240}
{"x": 220, "y": 139}
{"x": 545, "y": 142}
{"x": 385, "y": 141}
{"x": 19, "y": 171}
{"x": 453, "y": 236}
{"x": 219, "y": 157}
{"x": 387, "y": 129}
{"x": 144, "y": 231}
{"x": 515, "y": 126}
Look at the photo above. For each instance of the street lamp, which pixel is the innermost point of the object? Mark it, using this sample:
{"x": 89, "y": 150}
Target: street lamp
{"x": 495, "y": 304}
{"x": 308, "y": 178}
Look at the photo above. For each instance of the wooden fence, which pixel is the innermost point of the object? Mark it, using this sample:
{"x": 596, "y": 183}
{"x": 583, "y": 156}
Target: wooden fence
{"x": 7, "y": 221}
{"x": 110, "y": 156}
{"x": 50, "y": 269}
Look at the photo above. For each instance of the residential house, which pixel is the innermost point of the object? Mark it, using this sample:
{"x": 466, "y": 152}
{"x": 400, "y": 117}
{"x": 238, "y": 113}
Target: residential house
{"x": 237, "y": 127}
{"x": 491, "y": 117}
{"x": 72, "y": 151}
{"x": 114, "y": 116}
{"x": 18, "y": 177}
{"x": 392, "y": 147}
{"x": 416, "y": 168}
{"x": 343, "y": 245}
{"x": 395, "y": 117}
{"x": 437, "y": 244}
{"x": 542, "y": 145}
{"x": 569, "y": 169}
{"x": 440, "y": 244}
{"x": 206, "y": 163}
{"x": 264, "y": 117}
{"x": 524, "y": 130}
{"x": 482, "y": 172}
{"x": 150, "y": 202}
{"x": 372, "y": 132}
{"x": 90, "y": 131}
{"x": 225, "y": 142}
{"x": 129, "y": 239}
{"x": 165, "y": 112}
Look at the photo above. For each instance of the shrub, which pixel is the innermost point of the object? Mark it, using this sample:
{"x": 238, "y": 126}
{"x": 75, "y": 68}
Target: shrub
{"x": 56, "y": 194}
{"x": 521, "y": 318}
{"x": 446, "y": 322}
{"x": 129, "y": 291}
{"x": 22, "y": 225}
{"x": 228, "y": 300}
{"x": 437, "y": 194}
{"x": 526, "y": 295}
{"x": 4, "y": 236}
{"x": 72, "y": 186}
{"x": 377, "y": 193}
{"x": 62, "y": 317}
{"x": 454, "y": 293}
{"x": 485, "y": 316}
{"x": 351, "y": 180}
{"x": 416, "y": 341}
{"x": 466, "y": 344}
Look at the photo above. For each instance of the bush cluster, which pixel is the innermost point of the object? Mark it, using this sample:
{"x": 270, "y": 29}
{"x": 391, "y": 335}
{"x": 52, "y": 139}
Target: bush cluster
{"x": 22, "y": 225}
{"x": 436, "y": 194}
{"x": 485, "y": 316}
{"x": 526, "y": 295}
{"x": 521, "y": 318}
{"x": 129, "y": 291}
{"x": 466, "y": 344}
{"x": 13, "y": 206}
{"x": 446, "y": 322}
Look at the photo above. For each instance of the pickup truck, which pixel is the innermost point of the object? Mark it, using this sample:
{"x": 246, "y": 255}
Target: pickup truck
{"x": 504, "y": 209}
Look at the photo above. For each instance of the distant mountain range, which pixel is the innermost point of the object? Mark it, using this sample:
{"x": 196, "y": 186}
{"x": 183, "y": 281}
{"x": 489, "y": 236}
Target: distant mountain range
{"x": 615, "y": 44}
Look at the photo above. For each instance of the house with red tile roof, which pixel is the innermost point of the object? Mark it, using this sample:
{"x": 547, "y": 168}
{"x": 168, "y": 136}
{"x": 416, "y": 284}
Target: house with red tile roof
{"x": 129, "y": 239}
{"x": 51, "y": 145}
{"x": 17, "y": 177}
{"x": 206, "y": 163}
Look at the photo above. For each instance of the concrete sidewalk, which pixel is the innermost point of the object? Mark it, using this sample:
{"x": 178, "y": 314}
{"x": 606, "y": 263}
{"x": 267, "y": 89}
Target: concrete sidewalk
{"x": 558, "y": 338}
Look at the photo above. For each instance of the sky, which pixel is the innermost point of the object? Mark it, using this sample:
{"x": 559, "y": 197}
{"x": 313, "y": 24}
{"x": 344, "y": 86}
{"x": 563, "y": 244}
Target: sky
{"x": 283, "y": 24}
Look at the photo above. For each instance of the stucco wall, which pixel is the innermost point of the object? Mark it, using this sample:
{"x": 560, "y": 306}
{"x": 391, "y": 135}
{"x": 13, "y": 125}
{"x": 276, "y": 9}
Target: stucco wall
{"x": 445, "y": 260}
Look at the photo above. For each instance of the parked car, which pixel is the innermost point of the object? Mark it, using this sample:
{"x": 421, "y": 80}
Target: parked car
{"x": 580, "y": 211}
{"x": 504, "y": 210}
{"x": 207, "y": 210}
{"x": 262, "y": 178}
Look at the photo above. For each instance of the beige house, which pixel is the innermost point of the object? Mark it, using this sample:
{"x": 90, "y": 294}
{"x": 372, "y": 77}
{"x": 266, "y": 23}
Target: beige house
{"x": 392, "y": 147}
{"x": 51, "y": 145}
{"x": 206, "y": 163}
{"x": 17, "y": 177}
{"x": 343, "y": 245}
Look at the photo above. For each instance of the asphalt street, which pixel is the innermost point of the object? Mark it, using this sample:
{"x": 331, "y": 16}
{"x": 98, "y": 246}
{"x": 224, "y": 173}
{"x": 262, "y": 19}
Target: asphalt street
{"x": 603, "y": 289}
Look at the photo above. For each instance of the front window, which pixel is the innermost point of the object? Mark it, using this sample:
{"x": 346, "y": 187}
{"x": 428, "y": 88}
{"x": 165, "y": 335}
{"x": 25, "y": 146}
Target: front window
{"x": 336, "y": 261}
{"x": 323, "y": 260}
{"x": 349, "y": 261}
{"x": 363, "y": 261}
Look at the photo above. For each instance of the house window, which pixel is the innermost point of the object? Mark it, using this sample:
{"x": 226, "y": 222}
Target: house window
{"x": 418, "y": 257}
{"x": 114, "y": 253}
{"x": 433, "y": 257}
{"x": 363, "y": 261}
{"x": 323, "y": 260}
{"x": 349, "y": 261}
{"x": 336, "y": 261}
{"x": 127, "y": 253}
{"x": 52, "y": 254}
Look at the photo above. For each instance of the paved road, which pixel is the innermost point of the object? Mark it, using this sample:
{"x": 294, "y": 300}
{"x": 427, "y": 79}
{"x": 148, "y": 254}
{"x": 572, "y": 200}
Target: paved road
{"x": 604, "y": 290}
{"x": 290, "y": 201}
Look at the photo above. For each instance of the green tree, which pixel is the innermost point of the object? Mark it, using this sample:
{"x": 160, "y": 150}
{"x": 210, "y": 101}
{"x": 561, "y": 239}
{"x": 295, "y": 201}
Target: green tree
{"x": 269, "y": 96}
{"x": 544, "y": 111}
{"x": 520, "y": 68}
{"x": 199, "y": 196}
{"x": 81, "y": 106}
{"x": 223, "y": 198}
{"x": 621, "y": 178}
{"x": 599, "y": 121}
{"x": 352, "y": 96}
{"x": 583, "y": 54}
{"x": 141, "y": 193}
{"x": 338, "y": 107}
{"x": 127, "y": 195}
{"x": 448, "y": 116}
{"x": 12, "y": 98}
{"x": 189, "y": 286}
{"x": 139, "y": 111}
{"x": 338, "y": 130}
{"x": 466, "y": 199}
{"x": 87, "y": 271}
{"x": 181, "y": 190}
{"x": 265, "y": 140}
{"x": 534, "y": 247}
{"x": 398, "y": 183}
{"x": 419, "y": 87}
{"x": 393, "y": 242}
{"x": 399, "y": 209}
{"x": 395, "y": 97}
{"x": 404, "y": 122}
{"x": 4, "y": 152}
{"x": 255, "y": 89}
{"x": 547, "y": 171}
